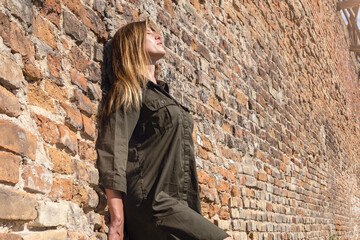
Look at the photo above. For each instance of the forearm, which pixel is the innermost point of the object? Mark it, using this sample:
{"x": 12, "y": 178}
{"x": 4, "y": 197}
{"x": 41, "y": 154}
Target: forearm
{"x": 116, "y": 210}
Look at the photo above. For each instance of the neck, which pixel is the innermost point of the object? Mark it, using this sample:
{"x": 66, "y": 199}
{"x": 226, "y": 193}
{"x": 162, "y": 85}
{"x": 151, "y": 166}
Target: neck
{"x": 151, "y": 72}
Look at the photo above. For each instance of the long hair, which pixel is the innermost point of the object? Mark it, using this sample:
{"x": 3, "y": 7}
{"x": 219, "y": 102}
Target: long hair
{"x": 129, "y": 60}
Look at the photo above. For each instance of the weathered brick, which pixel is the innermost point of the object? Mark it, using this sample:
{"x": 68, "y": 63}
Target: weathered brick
{"x": 31, "y": 72}
{"x": 45, "y": 235}
{"x": 73, "y": 27}
{"x": 92, "y": 21}
{"x": 47, "y": 128}
{"x": 78, "y": 79}
{"x": 73, "y": 117}
{"x": 17, "y": 140}
{"x": 62, "y": 161}
{"x": 62, "y": 188}
{"x": 10, "y": 73}
{"x": 82, "y": 171}
{"x": 9, "y": 104}
{"x": 54, "y": 65}
{"x": 78, "y": 60}
{"x": 87, "y": 152}
{"x": 51, "y": 214}
{"x": 59, "y": 93}
{"x": 44, "y": 31}
{"x": 19, "y": 205}
{"x": 15, "y": 38}
{"x": 51, "y": 9}
{"x": 83, "y": 103}
{"x": 94, "y": 72}
{"x": 68, "y": 138}
{"x": 89, "y": 127}
{"x": 9, "y": 168}
{"x": 37, "y": 178}
{"x": 21, "y": 9}
{"x": 10, "y": 236}
{"x": 76, "y": 236}
{"x": 37, "y": 97}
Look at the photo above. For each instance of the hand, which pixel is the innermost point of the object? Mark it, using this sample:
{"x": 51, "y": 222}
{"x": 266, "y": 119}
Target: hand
{"x": 229, "y": 238}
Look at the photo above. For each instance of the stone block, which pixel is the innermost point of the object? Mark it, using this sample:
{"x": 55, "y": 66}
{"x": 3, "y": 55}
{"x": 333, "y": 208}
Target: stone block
{"x": 44, "y": 31}
{"x": 55, "y": 91}
{"x": 73, "y": 117}
{"x": 52, "y": 214}
{"x": 54, "y": 65}
{"x": 37, "y": 97}
{"x": 68, "y": 138}
{"x": 61, "y": 188}
{"x": 83, "y": 103}
{"x": 37, "y": 178}
{"x": 10, "y": 73}
{"x": 9, "y": 104}
{"x": 88, "y": 127}
{"x": 62, "y": 161}
{"x": 10, "y": 236}
{"x": 17, "y": 140}
{"x": 78, "y": 79}
{"x": 45, "y": 235}
{"x": 74, "y": 27}
{"x": 16, "y": 39}
{"x": 47, "y": 128}
{"x": 19, "y": 205}
{"x": 51, "y": 9}
{"x": 9, "y": 168}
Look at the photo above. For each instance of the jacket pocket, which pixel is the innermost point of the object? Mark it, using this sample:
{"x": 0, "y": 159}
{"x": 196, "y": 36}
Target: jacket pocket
{"x": 160, "y": 116}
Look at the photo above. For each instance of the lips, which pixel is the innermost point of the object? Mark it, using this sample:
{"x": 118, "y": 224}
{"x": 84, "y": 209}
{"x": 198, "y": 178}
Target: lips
{"x": 160, "y": 43}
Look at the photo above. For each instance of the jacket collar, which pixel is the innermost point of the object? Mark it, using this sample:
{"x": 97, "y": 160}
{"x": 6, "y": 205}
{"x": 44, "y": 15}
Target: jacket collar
{"x": 159, "y": 83}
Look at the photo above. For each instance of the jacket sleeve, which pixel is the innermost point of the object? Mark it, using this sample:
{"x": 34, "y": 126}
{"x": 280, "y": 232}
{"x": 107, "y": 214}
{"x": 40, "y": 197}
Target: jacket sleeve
{"x": 112, "y": 149}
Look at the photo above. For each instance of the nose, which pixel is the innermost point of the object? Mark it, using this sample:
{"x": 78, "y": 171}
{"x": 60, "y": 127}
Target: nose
{"x": 157, "y": 36}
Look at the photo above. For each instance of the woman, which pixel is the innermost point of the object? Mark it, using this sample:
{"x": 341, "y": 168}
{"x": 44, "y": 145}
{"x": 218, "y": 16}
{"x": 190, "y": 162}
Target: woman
{"x": 145, "y": 149}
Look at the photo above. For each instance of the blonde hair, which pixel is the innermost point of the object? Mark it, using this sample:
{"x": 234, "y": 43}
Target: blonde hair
{"x": 129, "y": 60}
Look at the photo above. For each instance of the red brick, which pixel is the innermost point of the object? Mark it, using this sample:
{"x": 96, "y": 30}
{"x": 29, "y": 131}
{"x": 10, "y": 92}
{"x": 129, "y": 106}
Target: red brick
{"x": 83, "y": 103}
{"x": 234, "y": 191}
{"x": 17, "y": 140}
{"x": 44, "y": 31}
{"x": 87, "y": 152}
{"x": 37, "y": 178}
{"x": 206, "y": 143}
{"x": 78, "y": 60}
{"x": 62, "y": 161}
{"x": 262, "y": 177}
{"x": 92, "y": 21}
{"x": 224, "y": 213}
{"x": 37, "y": 97}
{"x": 68, "y": 138}
{"x": 224, "y": 199}
{"x": 9, "y": 168}
{"x": 202, "y": 153}
{"x": 216, "y": 105}
{"x": 9, "y": 104}
{"x": 78, "y": 79}
{"x": 10, "y": 73}
{"x": 31, "y": 72}
{"x": 54, "y": 65}
{"x": 89, "y": 127}
{"x": 51, "y": 9}
{"x": 73, "y": 117}
{"x": 47, "y": 128}
{"x": 9, "y": 236}
{"x": 15, "y": 38}
{"x": 62, "y": 188}
{"x": 59, "y": 93}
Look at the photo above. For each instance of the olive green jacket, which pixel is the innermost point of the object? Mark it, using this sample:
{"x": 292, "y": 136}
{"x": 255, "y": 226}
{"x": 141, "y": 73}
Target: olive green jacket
{"x": 148, "y": 155}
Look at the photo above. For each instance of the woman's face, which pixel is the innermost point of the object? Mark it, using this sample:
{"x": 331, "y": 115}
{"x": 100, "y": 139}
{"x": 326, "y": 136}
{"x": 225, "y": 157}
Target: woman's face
{"x": 154, "y": 45}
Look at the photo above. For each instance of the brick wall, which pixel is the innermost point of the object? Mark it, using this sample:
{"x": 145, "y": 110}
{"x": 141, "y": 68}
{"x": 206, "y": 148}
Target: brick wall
{"x": 272, "y": 86}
